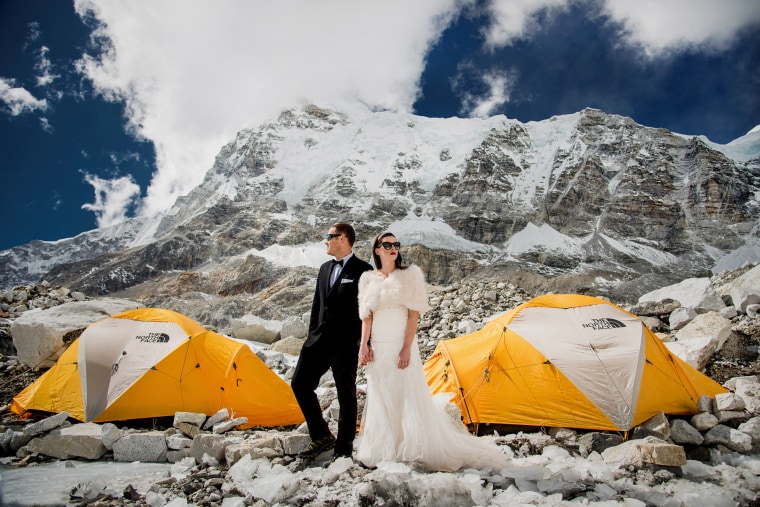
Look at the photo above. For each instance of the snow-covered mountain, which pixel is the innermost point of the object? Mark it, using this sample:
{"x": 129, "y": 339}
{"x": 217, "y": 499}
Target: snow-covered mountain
{"x": 588, "y": 197}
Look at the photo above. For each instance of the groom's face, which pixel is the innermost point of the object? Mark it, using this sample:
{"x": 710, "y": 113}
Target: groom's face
{"x": 334, "y": 245}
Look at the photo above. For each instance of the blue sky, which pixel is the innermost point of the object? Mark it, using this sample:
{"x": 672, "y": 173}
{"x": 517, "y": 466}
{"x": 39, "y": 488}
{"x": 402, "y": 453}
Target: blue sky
{"x": 110, "y": 109}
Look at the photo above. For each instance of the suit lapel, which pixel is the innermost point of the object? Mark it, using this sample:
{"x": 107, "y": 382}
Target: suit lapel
{"x": 340, "y": 276}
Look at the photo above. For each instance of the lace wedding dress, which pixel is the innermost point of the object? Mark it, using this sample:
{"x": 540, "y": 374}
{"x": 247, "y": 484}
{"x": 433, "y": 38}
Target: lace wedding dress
{"x": 402, "y": 421}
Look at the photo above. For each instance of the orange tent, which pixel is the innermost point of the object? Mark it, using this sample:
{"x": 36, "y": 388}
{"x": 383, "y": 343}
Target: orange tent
{"x": 153, "y": 362}
{"x": 565, "y": 360}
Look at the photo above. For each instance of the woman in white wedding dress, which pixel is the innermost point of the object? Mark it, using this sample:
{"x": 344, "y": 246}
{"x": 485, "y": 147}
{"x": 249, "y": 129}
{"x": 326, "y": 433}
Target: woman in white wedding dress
{"x": 401, "y": 421}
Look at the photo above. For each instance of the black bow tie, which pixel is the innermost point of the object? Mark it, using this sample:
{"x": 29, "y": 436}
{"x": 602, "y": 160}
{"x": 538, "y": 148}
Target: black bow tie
{"x": 338, "y": 262}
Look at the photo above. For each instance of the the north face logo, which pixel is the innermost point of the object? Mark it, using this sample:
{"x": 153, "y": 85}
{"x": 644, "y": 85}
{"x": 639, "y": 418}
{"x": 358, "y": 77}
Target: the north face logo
{"x": 153, "y": 338}
{"x": 604, "y": 323}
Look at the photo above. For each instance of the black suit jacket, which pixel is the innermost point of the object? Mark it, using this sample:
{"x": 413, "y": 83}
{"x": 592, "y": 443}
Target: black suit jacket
{"x": 335, "y": 311}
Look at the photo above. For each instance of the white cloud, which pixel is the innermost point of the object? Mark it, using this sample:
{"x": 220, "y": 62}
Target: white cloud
{"x": 44, "y": 68}
{"x": 656, "y": 26}
{"x": 33, "y": 33}
{"x": 192, "y": 74}
{"x": 19, "y": 100}
{"x": 499, "y": 85}
{"x": 112, "y": 198}
{"x": 514, "y": 19}
{"x": 46, "y": 126}
{"x": 660, "y": 26}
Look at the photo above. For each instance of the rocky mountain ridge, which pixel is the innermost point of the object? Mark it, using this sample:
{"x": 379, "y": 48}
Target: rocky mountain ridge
{"x": 588, "y": 202}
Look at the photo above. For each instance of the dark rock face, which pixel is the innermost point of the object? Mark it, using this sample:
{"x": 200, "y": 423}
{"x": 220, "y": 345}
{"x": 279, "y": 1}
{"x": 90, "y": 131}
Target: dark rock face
{"x": 636, "y": 206}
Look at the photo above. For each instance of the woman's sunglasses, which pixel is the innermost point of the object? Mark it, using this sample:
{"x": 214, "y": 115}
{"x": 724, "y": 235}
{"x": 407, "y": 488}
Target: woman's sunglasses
{"x": 387, "y": 245}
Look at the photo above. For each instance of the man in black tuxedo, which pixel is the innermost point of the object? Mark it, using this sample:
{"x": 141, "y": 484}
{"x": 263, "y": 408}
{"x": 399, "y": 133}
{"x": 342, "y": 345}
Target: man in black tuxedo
{"x": 332, "y": 343}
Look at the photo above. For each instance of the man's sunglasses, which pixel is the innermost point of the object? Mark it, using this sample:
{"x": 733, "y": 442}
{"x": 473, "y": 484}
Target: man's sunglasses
{"x": 387, "y": 245}
{"x": 331, "y": 236}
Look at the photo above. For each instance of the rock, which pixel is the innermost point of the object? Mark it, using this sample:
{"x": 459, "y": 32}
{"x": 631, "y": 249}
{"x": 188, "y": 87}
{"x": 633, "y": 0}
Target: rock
{"x": 743, "y": 297}
{"x": 294, "y": 442}
{"x": 289, "y": 345}
{"x": 176, "y": 442}
{"x": 209, "y": 444}
{"x": 681, "y": 432}
{"x": 696, "y": 293}
{"x": 650, "y": 450}
{"x": 749, "y": 280}
{"x": 224, "y": 427}
{"x": 256, "y": 333}
{"x": 189, "y": 429}
{"x": 729, "y": 312}
{"x": 5, "y": 441}
{"x": 597, "y": 442}
{"x": 77, "y": 441}
{"x": 196, "y": 419}
{"x": 655, "y": 308}
{"x": 728, "y": 437}
{"x": 147, "y": 446}
{"x": 221, "y": 415}
{"x": 268, "y": 446}
{"x": 706, "y": 404}
{"x": 728, "y": 401}
{"x": 294, "y": 327}
{"x": 680, "y": 317}
{"x": 653, "y": 323}
{"x": 701, "y": 338}
{"x": 110, "y": 433}
{"x": 704, "y": 421}
{"x": 46, "y": 424}
{"x": 19, "y": 440}
{"x": 726, "y": 416}
{"x": 38, "y": 335}
{"x": 751, "y": 428}
{"x": 749, "y": 391}
{"x": 656, "y": 426}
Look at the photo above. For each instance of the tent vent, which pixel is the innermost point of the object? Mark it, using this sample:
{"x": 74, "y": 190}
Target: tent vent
{"x": 234, "y": 366}
{"x": 547, "y": 362}
{"x": 153, "y": 367}
{"x": 197, "y": 365}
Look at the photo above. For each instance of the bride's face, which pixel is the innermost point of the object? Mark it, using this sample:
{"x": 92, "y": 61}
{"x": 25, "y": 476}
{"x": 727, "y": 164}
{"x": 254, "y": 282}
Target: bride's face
{"x": 388, "y": 255}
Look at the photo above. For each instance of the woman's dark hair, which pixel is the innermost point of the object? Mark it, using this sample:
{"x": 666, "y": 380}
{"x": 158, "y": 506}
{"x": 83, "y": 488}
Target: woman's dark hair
{"x": 377, "y": 243}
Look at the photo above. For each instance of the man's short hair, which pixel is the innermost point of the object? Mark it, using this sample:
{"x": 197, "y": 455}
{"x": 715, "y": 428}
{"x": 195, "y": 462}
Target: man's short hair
{"x": 347, "y": 231}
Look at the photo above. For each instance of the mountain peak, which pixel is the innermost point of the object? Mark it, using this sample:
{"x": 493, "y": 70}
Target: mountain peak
{"x": 586, "y": 196}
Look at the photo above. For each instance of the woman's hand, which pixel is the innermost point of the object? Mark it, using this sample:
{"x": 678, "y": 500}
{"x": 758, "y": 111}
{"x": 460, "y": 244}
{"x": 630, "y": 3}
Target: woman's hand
{"x": 365, "y": 354}
{"x": 403, "y": 357}
{"x": 365, "y": 348}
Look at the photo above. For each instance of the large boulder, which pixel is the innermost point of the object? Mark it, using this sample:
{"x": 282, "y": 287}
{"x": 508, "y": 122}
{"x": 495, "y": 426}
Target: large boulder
{"x": 749, "y": 280}
{"x": 696, "y": 293}
{"x": 40, "y": 336}
{"x": 77, "y": 441}
{"x": 700, "y": 339}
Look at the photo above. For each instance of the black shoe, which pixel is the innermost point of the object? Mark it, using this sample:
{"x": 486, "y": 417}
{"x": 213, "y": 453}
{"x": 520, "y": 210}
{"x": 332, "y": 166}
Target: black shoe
{"x": 317, "y": 447}
{"x": 341, "y": 454}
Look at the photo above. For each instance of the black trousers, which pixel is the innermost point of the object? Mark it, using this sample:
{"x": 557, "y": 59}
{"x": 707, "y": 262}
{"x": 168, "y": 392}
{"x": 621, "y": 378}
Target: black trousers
{"x": 313, "y": 362}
